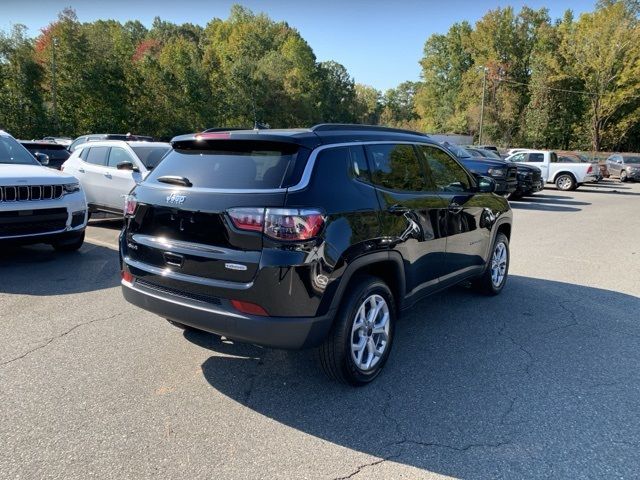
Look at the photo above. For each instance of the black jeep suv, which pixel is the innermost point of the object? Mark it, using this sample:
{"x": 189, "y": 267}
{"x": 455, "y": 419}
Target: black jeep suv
{"x": 313, "y": 237}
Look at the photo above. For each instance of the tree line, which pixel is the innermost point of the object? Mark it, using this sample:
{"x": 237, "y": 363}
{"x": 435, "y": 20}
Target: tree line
{"x": 566, "y": 83}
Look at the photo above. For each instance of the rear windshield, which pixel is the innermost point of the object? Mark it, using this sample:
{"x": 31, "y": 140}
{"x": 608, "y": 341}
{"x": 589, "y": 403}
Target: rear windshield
{"x": 151, "y": 156}
{"x": 229, "y": 164}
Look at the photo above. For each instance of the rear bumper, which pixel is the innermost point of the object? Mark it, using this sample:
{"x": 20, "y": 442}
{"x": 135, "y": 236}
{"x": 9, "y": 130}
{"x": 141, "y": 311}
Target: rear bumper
{"x": 275, "y": 332}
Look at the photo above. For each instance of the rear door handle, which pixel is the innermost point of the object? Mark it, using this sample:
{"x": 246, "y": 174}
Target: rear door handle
{"x": 108, "y": 175}
{"x": 81, "y": 170}
{"x": 455, "y": 207}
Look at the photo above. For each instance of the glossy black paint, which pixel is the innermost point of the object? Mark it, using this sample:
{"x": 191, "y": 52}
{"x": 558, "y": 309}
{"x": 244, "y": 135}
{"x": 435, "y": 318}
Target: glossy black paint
{"x": 419, "y": 242}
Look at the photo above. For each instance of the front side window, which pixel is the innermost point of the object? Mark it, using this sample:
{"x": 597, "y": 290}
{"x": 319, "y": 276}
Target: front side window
{"x": 444, "y": 172}
{"x": 634, "y": 160}
{"x": 13, "y": 153}
{"x": 118, "y": 155}
{"x": 396, "y": 167}
{"x": 98, "y": 155}
{"x": 536, "y": 157}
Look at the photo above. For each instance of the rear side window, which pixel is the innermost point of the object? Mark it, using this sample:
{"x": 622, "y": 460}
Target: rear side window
{"x": 395, "y": 167}
{"x": 229, "y": 164}
{"x": 97, "y": 155}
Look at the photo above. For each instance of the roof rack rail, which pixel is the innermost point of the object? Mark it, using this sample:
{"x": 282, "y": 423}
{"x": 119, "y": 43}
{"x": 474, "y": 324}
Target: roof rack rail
{"x": 225, "y": 129}
{"x": 329, "y": 127}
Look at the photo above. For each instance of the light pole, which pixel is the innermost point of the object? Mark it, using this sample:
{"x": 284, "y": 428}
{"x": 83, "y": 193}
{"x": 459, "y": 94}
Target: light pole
{"x": 484, "y": 83}
{"x": 54, "y": 103}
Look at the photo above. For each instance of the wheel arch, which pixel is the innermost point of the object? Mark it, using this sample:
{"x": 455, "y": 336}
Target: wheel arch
{"x": 565, "y": 172}
{"x": 388, "y": 266}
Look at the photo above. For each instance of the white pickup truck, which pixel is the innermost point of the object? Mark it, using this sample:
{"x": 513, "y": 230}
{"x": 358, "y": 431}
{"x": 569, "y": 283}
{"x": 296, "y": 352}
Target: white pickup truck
{"x": 566, "y": 176}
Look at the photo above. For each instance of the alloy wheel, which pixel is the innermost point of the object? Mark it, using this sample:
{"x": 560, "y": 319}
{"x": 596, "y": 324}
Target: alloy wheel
{"x": 499, "y": 264}
{"x": 370, "y": 332}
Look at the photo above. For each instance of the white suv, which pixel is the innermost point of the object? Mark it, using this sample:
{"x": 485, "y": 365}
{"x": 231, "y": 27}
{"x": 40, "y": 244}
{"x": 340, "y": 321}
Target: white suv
{"x": 108, "y": 170}
{"x": 38, "y": 204}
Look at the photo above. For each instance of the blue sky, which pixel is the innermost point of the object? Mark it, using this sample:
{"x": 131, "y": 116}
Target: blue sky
{"x": 380, "y": 42}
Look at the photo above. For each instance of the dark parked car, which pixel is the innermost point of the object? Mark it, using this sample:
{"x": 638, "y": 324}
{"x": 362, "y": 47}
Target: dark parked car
{"x": 58, "y": 154}
{"x": 481, "y": 152}
{"x": 313, "y": 237}
{"x": 505, "y": 174}
{"x": 624, "y": 166}
{"x": 529, "y": 177}
{"x": 108, "y": 136}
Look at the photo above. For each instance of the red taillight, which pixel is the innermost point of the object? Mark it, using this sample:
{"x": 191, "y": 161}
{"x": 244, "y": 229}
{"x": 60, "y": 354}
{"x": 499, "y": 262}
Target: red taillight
{"x": 130, "y": 204}
{"x": 247, "y": 218}
{"x": 250, "y": 308}
{"x": 127, "y": 277}
{"x": 590, "y": 169}
{"x": 279, "y": 223}
{"x": 292, "y": 224}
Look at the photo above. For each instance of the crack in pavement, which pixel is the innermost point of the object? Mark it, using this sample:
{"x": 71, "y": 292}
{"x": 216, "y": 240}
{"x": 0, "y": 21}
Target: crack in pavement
{"x": 366, "y": 465}
{"x": 527, "y": 368}
{"x": 52, "y": 339}
{"x": 463, "y": 448}
{"x": 573, "y": 323}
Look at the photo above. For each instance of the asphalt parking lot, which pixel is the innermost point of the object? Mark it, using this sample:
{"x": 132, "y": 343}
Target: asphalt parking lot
{"x": 541, "y": 381}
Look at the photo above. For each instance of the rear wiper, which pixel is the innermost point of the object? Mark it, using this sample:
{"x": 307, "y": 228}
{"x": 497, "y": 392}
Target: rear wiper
{"x": 175, "y": 180}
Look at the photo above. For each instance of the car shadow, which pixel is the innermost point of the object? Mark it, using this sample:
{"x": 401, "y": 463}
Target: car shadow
{"x": 40, "y": 270}
{"x": 543, "y": 206}
{"x": 553, "y": 200}
{"x": 541, "y": 381}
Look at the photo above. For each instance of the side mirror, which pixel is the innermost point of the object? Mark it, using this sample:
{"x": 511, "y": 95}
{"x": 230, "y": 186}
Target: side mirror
{"x": 486, "y": 184}
{"x": 43, "y": 158}
{"x": 127, "y": 166}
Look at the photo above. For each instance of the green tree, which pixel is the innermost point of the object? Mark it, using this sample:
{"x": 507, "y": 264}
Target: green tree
{"x": 602, "y": 50}
{"x": 23, "y": 112}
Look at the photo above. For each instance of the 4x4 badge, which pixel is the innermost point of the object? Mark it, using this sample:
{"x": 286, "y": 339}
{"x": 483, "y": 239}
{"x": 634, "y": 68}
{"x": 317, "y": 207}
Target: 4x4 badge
{"x": 176, "y": 199}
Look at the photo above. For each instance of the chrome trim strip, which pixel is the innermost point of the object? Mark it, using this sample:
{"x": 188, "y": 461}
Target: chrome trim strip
{"x": 308, "y": 169}
{"x": 189, "y": 248}
{"x": 182, "y": 304}
{"x": 181, "y": 277}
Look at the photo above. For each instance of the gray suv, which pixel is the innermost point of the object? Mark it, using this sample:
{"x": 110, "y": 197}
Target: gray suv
{"x": 625, "y": 167}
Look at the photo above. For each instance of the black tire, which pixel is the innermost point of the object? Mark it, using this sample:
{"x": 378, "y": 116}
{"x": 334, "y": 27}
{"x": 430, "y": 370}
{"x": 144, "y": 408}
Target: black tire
{"x": 623, "y": 176}
{"x": 485, "y": 284}
{"x": 565, "y": 182}
{"x": 335, "y": 354}
{"x": 69, "y": 245}
{"x": 515, "y": 196}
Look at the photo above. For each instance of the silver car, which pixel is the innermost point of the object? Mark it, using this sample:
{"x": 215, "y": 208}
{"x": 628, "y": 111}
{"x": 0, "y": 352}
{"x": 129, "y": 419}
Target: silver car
{"x": 625, "y": 167}
{"x": 108, "y": 170}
